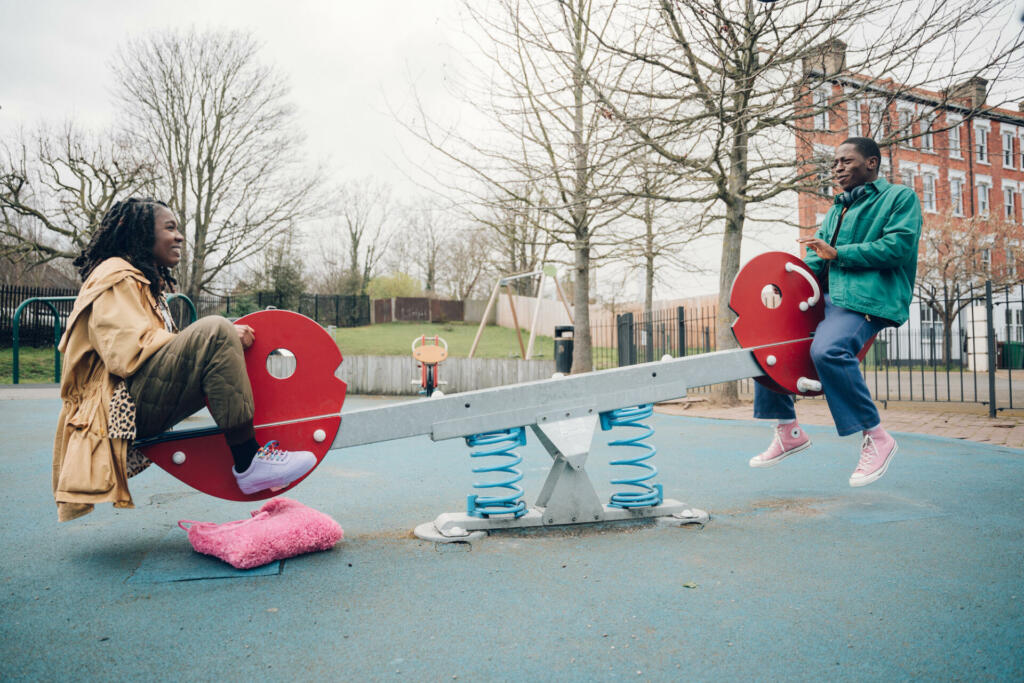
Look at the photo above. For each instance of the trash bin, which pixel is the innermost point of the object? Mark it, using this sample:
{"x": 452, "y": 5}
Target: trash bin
{"x": 1013, "y": 355}
{"x": 563, "y": 348}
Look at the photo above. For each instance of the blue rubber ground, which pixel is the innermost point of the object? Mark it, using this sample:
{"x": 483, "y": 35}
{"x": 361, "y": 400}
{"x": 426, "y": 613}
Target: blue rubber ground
{"x": 797, "y": 577}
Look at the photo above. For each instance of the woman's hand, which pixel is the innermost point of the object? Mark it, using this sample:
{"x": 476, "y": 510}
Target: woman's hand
{"x": 246, "y": 335}
{"x": 823, "y": 249}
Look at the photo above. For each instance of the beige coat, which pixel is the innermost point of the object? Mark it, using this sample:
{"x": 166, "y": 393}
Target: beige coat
{"x": 114, "y": 327}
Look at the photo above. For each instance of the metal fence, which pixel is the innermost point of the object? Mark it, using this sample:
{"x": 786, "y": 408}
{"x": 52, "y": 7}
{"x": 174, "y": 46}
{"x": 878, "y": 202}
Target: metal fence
{"x": 983, "y": 361}
{"x": 36, "y": 325}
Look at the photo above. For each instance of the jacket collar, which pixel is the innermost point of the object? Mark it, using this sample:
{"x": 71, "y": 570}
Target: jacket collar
{"x": 876, "y": 186}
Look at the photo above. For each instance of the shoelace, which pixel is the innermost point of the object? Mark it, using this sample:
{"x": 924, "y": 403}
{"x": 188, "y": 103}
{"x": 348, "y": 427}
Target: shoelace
{"x": 271, "y": 451}
{"x": 868, "y": 453}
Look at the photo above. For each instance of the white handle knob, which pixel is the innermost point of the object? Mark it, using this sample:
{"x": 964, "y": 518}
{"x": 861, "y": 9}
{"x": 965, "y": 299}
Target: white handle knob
{"x": 809, "y": 276}
{"x": 804, "y": 384}
{"x": 178, "y": 458}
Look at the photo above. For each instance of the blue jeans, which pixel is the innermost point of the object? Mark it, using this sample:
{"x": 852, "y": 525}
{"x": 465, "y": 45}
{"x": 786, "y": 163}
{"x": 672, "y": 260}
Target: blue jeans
{"x": 837, "y": 340}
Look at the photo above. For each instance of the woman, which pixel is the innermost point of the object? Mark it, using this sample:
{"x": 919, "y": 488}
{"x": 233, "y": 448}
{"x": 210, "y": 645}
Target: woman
{"x": 129, "y": 374}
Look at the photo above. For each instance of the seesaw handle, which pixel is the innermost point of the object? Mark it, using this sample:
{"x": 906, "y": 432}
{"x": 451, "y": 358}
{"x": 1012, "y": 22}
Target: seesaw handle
{"x": 813, "y": 281}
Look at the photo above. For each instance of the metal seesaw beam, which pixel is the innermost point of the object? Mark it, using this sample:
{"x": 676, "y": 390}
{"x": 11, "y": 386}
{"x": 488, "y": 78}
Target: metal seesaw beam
{"x": 544, "y": 401}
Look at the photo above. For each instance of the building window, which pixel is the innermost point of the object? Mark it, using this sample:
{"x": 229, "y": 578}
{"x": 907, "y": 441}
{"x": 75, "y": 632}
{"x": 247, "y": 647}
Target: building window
{"x": 928, "y": 191}
{"x": 983, "y": 191}
{"x": 1008, "y": 150}
{"x": 986, "y": 260}
{"x": 981, "y": 143}
{"x": 931, "y": 330}
{"x": 1009, "y": 206}
{"x": 927, "y": 137}
{"x": 821, "y": 108}
{"x": 853, "y": 118}
{"x": 906, "y": 121}
{"x": 1011, "y": 262}
{"x": 876, "y": 112}
{"x": 956, "y": 196}
{"x": 954, "y": 141}
{"x": 907, "y": 177}
{"x": 1014, "y": 325}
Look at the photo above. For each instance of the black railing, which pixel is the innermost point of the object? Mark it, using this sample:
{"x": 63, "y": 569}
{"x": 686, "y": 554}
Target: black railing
{"x": 983, "y": 356}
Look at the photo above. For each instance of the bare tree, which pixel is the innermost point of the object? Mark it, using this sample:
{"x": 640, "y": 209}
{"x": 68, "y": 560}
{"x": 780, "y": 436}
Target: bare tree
{"x": 362, "y": 226}
{"x": 666, "y": 228}
{"x": 518, "y": 236}
{"x": 217, "y": 122}
{"x": 465, "y": 263}
{"x": 958, "y": 256}
{"x": 554, "y": 148}
{"x": 734, "y": 80}
{"x": 56, "y": 185}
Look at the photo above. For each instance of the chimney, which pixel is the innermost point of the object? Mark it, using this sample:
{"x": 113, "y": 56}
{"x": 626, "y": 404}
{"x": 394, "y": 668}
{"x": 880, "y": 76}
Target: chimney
{"x": 972, "y": 90}
{"x": 827, "y": 59}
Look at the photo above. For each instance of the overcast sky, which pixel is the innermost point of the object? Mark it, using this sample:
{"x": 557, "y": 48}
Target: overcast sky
{"x": 346, "y": 60}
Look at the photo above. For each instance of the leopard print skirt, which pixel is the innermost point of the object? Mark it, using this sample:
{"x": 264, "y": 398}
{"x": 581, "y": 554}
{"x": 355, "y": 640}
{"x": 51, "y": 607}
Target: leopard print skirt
{"x": 121, "y": 425}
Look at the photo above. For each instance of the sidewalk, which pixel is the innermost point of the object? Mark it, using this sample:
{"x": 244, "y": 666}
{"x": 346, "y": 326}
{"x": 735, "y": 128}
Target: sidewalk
{"x": 968, "y": 421}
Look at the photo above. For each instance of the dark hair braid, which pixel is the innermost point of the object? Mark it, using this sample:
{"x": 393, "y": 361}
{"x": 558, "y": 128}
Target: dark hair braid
{"x": 128, "y": 230}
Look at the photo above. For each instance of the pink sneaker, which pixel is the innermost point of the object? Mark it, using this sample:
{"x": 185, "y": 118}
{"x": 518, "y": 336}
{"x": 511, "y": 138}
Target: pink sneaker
{"x": 788, "y": 439}
{"x": 875, "y": 455}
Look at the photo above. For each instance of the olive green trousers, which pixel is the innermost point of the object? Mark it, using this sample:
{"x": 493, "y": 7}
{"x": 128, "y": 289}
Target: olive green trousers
{"x": 203, "y": 364}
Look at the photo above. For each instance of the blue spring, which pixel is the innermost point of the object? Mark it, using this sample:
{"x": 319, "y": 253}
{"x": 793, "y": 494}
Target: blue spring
{"x": 648, "y": 494}
{"x": 512, "y": 504}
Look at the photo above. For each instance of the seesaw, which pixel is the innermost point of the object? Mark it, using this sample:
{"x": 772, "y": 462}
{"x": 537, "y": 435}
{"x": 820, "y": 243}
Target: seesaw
{"x": 778, "y": 304}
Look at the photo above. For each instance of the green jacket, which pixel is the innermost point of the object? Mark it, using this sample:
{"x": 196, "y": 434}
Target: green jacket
{"x": 876, "y": 267}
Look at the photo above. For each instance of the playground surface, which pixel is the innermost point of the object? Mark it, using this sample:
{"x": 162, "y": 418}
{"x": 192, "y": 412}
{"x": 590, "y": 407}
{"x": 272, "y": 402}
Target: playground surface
{"x": 797, "y": 576}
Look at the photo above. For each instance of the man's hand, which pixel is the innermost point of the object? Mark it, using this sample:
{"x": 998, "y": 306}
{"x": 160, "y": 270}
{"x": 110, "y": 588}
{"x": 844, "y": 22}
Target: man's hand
{"x": 823, "y": 249}
{"x": 245, "y": 335}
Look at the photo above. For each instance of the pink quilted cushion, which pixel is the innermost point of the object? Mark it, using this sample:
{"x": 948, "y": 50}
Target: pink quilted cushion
{"x": 281, "y": 528}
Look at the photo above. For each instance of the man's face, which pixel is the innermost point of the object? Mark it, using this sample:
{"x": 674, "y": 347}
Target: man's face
{"x": 851, "y": 169}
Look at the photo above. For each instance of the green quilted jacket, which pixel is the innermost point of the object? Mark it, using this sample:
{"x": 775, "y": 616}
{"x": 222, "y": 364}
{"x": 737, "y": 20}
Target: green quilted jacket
{"x": 877, "y": 244}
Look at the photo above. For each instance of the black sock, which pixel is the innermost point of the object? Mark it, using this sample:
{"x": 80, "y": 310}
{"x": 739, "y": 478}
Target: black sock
{"x": 243, "y": 454}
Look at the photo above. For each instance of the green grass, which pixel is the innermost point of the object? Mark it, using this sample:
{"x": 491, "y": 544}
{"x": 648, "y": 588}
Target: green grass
{"x": 388, "y": 339}
{"x": 395, "y": 339}
{"x": 35, "y": 366}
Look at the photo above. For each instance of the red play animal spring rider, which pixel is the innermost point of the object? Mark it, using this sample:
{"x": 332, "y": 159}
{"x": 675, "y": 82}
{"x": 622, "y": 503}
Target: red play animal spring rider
{"x": 429, "y": 352}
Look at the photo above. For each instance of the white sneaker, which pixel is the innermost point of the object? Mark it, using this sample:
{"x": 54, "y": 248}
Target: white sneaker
{"x": 273, "y": 468}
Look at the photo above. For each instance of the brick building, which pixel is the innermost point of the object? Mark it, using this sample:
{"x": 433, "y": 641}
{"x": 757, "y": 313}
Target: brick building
{"x": 963, "y": 158}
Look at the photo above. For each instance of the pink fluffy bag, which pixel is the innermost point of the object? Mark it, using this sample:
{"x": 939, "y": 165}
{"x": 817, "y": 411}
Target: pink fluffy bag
{"x": 281, "y": 528}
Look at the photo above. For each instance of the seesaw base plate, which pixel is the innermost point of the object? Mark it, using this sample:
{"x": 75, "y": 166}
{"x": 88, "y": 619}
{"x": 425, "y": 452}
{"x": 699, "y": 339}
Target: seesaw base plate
{"x": 457, "y": 527}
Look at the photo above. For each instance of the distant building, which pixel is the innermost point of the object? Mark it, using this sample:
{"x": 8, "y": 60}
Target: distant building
{"x": 963, "y": 158}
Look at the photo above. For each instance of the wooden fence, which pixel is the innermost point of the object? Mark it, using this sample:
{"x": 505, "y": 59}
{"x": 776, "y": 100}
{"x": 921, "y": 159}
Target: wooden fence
{"x": 394, "y": 375}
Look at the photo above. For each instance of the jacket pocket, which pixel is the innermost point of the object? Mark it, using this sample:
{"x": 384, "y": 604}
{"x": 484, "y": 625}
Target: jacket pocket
{"x": 88, "y": 465}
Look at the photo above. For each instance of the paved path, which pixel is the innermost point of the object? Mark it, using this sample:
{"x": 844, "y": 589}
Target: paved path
{"x": 969, "y": 421}
{"x": 797, "y": 577}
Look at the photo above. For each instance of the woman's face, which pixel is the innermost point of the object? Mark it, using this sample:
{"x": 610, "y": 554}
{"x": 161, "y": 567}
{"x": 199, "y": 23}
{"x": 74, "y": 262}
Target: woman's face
{"x": 167, "y": 247}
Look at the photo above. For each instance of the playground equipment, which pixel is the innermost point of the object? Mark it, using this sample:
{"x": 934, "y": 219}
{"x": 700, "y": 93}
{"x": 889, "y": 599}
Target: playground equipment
{"x": 429, "y": 356}
{"x": 779, "y": 306}
{"x": 506, "y": 282}
{"x": 58, "y": 322}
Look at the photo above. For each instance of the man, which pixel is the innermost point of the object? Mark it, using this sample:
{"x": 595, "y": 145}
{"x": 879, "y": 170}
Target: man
{"x": 865, "y": 257}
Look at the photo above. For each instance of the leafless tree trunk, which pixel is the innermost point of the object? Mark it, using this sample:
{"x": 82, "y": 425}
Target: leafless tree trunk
{"x": 218, "y": 124}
